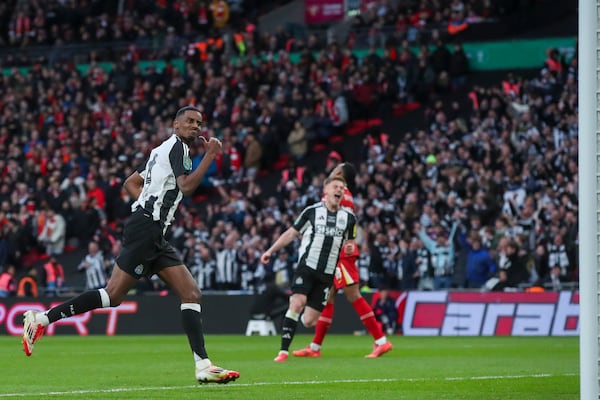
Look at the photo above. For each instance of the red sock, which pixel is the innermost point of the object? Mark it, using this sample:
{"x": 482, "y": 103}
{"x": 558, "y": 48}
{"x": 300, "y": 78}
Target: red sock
{"x": 367, "y": 317}
{"x": 323, "y": 324}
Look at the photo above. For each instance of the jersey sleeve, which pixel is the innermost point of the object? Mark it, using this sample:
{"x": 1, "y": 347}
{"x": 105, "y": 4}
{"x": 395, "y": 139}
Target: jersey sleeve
{"x": 303, "y": 220}
{"x": 141, "y": 169}
{"x": 177, "y": 159}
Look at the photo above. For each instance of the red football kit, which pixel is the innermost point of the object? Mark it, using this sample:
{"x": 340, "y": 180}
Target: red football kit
{"x": 346, "y": 272}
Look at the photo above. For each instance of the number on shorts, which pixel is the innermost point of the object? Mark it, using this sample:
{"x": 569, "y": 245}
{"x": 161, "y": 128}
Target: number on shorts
{"x": 326, "y": 295}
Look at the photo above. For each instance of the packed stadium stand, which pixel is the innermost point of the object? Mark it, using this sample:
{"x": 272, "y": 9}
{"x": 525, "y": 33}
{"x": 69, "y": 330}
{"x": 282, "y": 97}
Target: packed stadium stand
{"x": 484, "y": 164}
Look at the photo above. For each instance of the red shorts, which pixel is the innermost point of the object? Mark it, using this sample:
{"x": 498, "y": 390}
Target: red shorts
{"x": 346, "y": 272}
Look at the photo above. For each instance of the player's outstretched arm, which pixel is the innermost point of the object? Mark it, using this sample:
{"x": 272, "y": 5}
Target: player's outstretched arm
{"x": 283, "y": 240}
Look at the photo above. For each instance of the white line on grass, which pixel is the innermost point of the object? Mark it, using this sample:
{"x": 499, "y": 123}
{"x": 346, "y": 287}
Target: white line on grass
{"x": 145, "y": 389}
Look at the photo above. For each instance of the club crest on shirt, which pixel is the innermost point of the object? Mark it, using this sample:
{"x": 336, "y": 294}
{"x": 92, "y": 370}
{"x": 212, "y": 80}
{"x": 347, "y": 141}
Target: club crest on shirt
{"x": 187, "y": 162}
{"x": 299, "y": 281}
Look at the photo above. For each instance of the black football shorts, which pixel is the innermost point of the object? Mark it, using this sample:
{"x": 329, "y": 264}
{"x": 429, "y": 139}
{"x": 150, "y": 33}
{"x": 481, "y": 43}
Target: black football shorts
{"x": 145, "y": 251}
{"x": 313, "y": 284}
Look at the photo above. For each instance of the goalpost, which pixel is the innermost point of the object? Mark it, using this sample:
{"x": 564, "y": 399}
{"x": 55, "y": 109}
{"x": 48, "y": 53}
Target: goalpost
{"x": 589, "y": 196}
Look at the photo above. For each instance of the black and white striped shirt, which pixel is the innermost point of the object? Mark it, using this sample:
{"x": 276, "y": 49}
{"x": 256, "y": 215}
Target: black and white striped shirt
{"x": 228, "y": 268}
{"x": 95, "y": 274}
{"x": 323, "y": 234}
{"x": 160, "y": 195}
{"x": 203, "y": 271}
{"x": 557, "y": 257}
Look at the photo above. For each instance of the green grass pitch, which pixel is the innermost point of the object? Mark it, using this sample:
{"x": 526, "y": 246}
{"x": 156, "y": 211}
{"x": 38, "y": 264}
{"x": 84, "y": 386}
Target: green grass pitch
{"x": 422, "y": 368}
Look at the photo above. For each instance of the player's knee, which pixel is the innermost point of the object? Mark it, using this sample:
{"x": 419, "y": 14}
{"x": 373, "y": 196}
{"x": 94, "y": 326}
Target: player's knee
{"x": 115, "y": 298}
{"x": 192, "y": 295}
{"x": 296, "y": 305}
{"x": 308, "y": 321}
{"x": 352, "y": 293}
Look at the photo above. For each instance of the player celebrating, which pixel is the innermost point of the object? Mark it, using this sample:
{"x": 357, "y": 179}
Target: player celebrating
{"x": 326, "y": 227}
{"x": 347, "y": 279}
{"x": 158, "y": 186}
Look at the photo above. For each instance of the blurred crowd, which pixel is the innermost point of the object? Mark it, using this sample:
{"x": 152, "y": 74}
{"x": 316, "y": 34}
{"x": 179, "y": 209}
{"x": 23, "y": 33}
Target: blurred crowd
{"x": 108, "y": 30}
{"x": 483, "y": 196}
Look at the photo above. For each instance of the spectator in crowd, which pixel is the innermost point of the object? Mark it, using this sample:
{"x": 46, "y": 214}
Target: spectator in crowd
{"x": 298, "y": 141}
{"x": 53, "y": 233}
{"x": 283, "y": 269}
{"x": 253, "y": 157}
{"x": 363, "y": 263}
{"x": 441, "y": 254}
{"x": 512, "y": 266}
{"x": 28, "y": 284}
{"x": 554, "y": 280}
{"x": 410, "y": 264}
{"x": 558, "y": 260}
{"x": 379, "y": 251}
{"x": 94, "y": 268}
{"x": 7, "y": 281}
{"x": 458, "y": 67}
{"x": 54, "y": 276}
{"x": 385, "y": 311}
{"x": 202, "y": 265}
{"x": 228, "y": 272}
{"x": 480, "y": 265}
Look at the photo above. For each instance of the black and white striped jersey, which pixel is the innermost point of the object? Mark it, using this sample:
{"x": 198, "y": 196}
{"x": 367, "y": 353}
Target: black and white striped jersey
{"x": 557, "y": 257}
{"x": 323, "y": 233}
{"x": 160, "y": 195}
{"x": 95, "y": 274}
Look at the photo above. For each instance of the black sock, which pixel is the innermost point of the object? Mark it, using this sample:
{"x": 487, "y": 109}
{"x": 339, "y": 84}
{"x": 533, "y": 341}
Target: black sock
{"x": 192, "y": 326}
{"x": 86, "y": 301}
{"x": 287, "y": 333}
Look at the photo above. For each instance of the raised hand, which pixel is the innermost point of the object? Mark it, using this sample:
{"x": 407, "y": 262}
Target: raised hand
{"x": 212, "y": 146}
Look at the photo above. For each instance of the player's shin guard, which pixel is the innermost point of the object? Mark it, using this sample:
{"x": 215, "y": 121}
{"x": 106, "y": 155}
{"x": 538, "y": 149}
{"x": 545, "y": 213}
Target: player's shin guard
{"x": 288, "y": 330}
{"x": 85, "y": 302}
{"x": 367, "y": 317}
{"x": 192, "y": 326}
{"x": 323, "y": 324}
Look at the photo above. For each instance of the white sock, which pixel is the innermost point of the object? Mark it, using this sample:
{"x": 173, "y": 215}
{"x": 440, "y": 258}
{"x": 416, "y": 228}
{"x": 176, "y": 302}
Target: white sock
{"x": 292, "y": 315}
{"x": 42, "y": 318}
{"x": 191, "y": 306}
{"x": 202, "y": 363}
{"x": 381, "y": 341}
{"x": 315, "y": 347}
{"x": 104, "y": 297}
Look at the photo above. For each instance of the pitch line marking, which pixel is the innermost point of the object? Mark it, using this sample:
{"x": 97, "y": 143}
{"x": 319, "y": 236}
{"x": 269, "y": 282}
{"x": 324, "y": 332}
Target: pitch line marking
{"x": 234, "y": 385}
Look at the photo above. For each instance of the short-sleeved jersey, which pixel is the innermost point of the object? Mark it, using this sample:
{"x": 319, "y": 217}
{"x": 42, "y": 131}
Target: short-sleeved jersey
{"x": 348, "y": 203}
{"x": 323, "y": 234}
{"x": 160, "y": 195}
